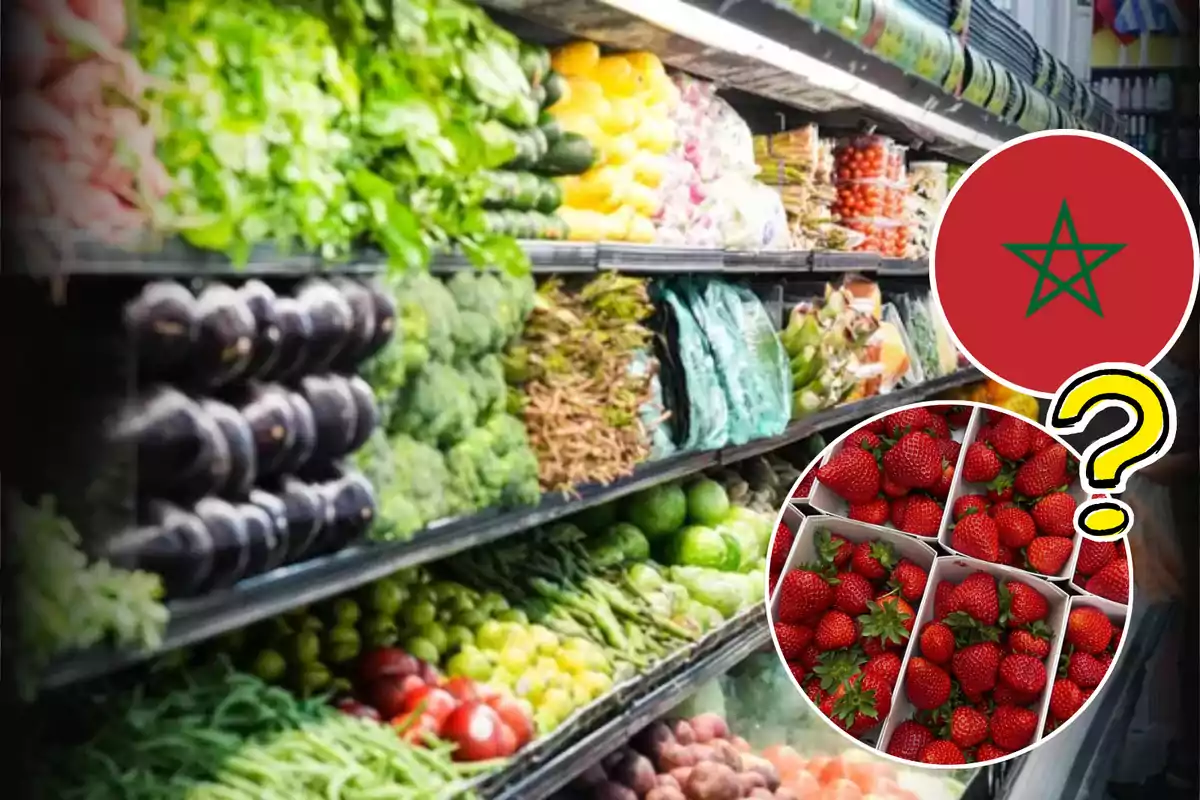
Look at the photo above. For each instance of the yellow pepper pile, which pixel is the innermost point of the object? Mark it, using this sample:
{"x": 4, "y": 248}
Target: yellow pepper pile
{"x": 622, "y": 104}
{"x": 997, "y": 394}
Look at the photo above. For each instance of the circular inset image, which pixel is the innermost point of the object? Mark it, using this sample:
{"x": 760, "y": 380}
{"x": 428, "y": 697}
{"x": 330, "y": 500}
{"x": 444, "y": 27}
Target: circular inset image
{"x": 928, "y": 590}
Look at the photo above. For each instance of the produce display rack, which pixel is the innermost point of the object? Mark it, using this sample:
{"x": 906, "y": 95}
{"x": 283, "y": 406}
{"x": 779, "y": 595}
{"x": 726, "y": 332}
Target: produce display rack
{"x": 572, "y": 750}
{"x": 197, "y": 619}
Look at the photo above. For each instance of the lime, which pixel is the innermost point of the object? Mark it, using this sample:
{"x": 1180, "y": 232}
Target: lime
{"x": 306, "y": 647}
{"x": 471, "y": 618}
{"x": 346, "y": 612}
{"x": 459, "y": 636}
{"x": 269, "y": 665}
{"x": 436, "y": 635}
{"x": 423, "y": 649}
{"x": 513, "y": 615}
{"x": 491, "y": 635}
{"x": 514, "y": 658}
{"x": 594, "y": 683}
{"x": 471, "y": 663}
{"x": 419, "y": 613}
{"x": 544, "y": 639}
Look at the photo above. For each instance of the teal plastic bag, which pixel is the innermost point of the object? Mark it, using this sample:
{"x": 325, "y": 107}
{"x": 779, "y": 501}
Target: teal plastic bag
{"x": 707, "y": 409}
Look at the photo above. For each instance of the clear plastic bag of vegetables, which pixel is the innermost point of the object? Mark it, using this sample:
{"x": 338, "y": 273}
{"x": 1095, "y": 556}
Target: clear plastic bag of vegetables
{"x": 691, "y": 387}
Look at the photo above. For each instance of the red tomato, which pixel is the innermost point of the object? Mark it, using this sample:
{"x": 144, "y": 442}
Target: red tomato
{"x": 515, "y": 716}
{"x": 416, "y": 732}
{"x": 506, "y": 741}
{"x": 463, "y": 689}
{"x": 387, "y": 696}
{"x": 431, "y": 701}
{"x": 475, "y": 730}
{"x": 387, "y": 662}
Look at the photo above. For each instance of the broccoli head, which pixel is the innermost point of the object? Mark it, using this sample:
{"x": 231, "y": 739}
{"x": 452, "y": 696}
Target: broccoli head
{"x": 437, "y": 407}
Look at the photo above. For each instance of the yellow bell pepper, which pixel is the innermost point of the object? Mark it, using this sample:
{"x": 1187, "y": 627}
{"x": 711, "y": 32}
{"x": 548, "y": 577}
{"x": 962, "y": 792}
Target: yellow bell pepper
{"x": 622, "y": 116}
{"x": 642, "y": 200}
{"x": 655, "y": 135}
{"x": 648, "y": 169}
{"x": 586, "y": 95}
{"x": 583, "y": 124}
{"x": 616, "y": 75}
{"x": 576, "y": 58}
{"x": 641, "y": 230}
{"x": 583, "y": 225}
{"x": 647, "y": 65}
{"x": 618, "y": 224}
{"x": 619, "y": 149}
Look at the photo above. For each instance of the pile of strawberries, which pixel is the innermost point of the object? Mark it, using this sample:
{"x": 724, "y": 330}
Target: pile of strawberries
{"x": 804, "y": 487}
{"x": 1026, "y": 518}
{"x": 843, "y": 625}
{"x": 899, "y": 468}
{"x": 781, "y": 546}
{"x": 1103, "y": 569}
{"x": 979, "y": 675}
{"x": 1088, "y": 652}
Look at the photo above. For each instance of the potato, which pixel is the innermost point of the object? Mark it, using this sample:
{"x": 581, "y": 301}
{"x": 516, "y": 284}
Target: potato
{"x": 712, "y": 782}
{"x": 753, "y": 763}
{"x": 708, "y": 727}
{"x": 666, "y": 793}
{"x": 652, "y": 739}
{"x": 613, "y": 791}
{"x": 592, "y": 776}
{"x": 727, "y": 754}
{"x": 681, "y": 774}
{"x": 741, "y": 744}
{"x": 751, "y": 780}
{"x": 635, "y": 771}
{"x": 684, "y": 734}
{"x": 615, "y": 757}
{"x": 784, "y": 793}
{"x": 761, "y": 794}
{"x": 669, "y": 782}
{"x": 676, "y": 755}
{"x": 702, "y": 753}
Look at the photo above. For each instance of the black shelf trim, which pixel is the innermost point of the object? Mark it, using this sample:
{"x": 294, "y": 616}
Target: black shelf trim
{"x": 198, "y": 619}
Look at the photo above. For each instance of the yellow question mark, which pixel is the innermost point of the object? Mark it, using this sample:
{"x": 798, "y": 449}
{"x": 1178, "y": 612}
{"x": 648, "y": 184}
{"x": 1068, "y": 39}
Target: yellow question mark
{"x": 1108, "y": 463}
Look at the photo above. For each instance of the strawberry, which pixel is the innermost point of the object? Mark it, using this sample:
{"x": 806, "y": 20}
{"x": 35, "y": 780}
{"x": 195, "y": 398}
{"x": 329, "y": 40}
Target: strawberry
{"x": 813, "y": 689}
{"x": 1106, "y": 658}
{"x": 998, "y": 495}
{"x": 922, "y": 516}
{"x": 1039, "y": 440}
{"x": 943, "y": 600}
{"x": 980, "y": 464}
{"x": 852, "y": 474}
{"x": 873, "y": 560}
{"x": 984, "y": 433}
{"x": 941, "y": 489}
{"x": 1116, "y": 639}
{"x": 1085, "y": 670}
{"x": 1026, "y": 674}
{"x": 852, "y": 593}
{"x": 874, "y": 511}
{"x": 781, "y": 545}
{"x": 1029, "y": 643}
{"x": 969, "y": 504}
{"x": 926, "y": 684}
{"x": 1015, "y": 527}
{"x": 975, "y": 535}
{"x": 792, "y": 639}
{"x": 874, "y": 646}
{"x": 875, "y": 426}
{"x": 810, "y": 656}
{"x": 968, "y": 727}
{"x": 941, "y": 751}
{"x": 989, "y": 752}
{"x": 909, "y": 579}
{"x": 908, "y": 740}
{"x": 1055, "y": 514}
{"x": 1112, "y": 581}
{"x": 804, "y": 488}
{"x": 1093, "y": 555}
{"x": 950, "y": 450}
{"x": 833, "y": 549}
{"x": 1013, "y": 728}
{"x": 835, "y": 631}
{"x": 860, "y": 704}
{"x": 886, "y": 666}
{"x": 899, "y": 506}
{"x": 978, "y": 597}
{"x": 1065, "y": 699}
{"x": 937, "y": 642}
{"x": 1005, "y": 695}
{"x": 904, "y": 421}
{"x": 1043, "y": 472}
{"x": 958, "y": 416}
{"x": 914, "y": 461}
{"x": 1006, "y": 556}
{"x": 1010, "y": 438}
{"x": 891, "y": 488}
{"x": 976, "y": 666}
{"x": 798, "y": 670}
{"x": 1048, "y": 554}
{"x": 801, "y": 593}
{"x": 1021, "y": 604}
{"x": 889, "y": 619}
{"x": 938, "y": 428}
{"x": 1089, "y": 630}
{"x": 862, "y": 439}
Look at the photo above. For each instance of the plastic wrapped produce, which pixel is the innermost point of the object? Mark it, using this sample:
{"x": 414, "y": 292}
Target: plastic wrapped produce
{"x": 928, "y": 187}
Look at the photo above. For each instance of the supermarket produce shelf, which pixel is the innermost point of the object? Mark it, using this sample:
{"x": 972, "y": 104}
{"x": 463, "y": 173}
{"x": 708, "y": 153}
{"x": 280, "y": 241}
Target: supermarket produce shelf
{"x": 571, "y": 751}
{"x": 198, "y": 619}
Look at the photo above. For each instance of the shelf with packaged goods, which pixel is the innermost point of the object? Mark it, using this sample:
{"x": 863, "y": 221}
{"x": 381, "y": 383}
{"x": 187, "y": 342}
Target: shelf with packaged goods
{"x": 771, "y": 52}
{"x": 198, "y": 619}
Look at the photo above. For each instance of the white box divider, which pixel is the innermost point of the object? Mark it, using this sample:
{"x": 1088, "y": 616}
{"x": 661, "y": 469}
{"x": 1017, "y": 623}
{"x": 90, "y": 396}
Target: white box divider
{"x": 955, "y": 569}
{"x": 1119, "y": 614}
{"x": 827, "y": 501}
{"x": 804, "y": 551}
{"x": 961, "y": 487}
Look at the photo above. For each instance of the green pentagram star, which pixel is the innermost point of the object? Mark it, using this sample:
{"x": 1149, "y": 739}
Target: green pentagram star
{"x": 1048, "y": 250}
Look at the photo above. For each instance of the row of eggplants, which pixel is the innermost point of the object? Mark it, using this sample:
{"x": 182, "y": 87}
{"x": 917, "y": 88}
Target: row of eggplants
{"x": 228, "y": 334}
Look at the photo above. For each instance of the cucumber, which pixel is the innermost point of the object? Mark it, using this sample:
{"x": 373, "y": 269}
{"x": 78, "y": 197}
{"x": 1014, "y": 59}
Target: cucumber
{"x": 535, "y": 63}
{"x": 571, "y": 154}
{"x": 550, "y": 128}
{"x": 497, "y": 223}
{"x": 552, "y": 227}
{"x": 550, "y": 197}
{"x": 529, "y": 191}
{"x": 556, "y": 87}
{"x": 529, "y": 150}
{"x": 500, "y": 188}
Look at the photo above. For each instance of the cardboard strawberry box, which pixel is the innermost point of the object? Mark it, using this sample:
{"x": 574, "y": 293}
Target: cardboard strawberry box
{"x": 962, "y": 487}
{"x": 954, "y": 569}
{"x": 827, "y": 501}
{"x": 1118, "y": 614}
{"x": 804, "y": 551}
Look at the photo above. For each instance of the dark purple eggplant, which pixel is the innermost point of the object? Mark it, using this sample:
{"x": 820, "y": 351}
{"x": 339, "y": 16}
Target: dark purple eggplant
{"x": 239, "y": 438}
{"x": 351, "y": 500}
{"x": 215, "y": 473}
{"x": 163, "y": 323}
{"x": 362, "y": 330}
{"x": 332, "y": 323}
{"x": 335, "y": 412}
{"x": 307, "y": 515}
{"x": 226, "y": 336}
{"x": 260, "y": 299}
{"x": 172, "y": 543}
{"x": 385, "y": 318}
{"x": 261, "y": 540}
{"x": 172, "y": 437}
{"x": 305, "y": 443}
{"x": 272, "y": 422}
{"x": 230, "y": 542}
{"x": 277, "y": 511}
{"x": 366, "y": 412}
{"x": 295, "y": 331}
